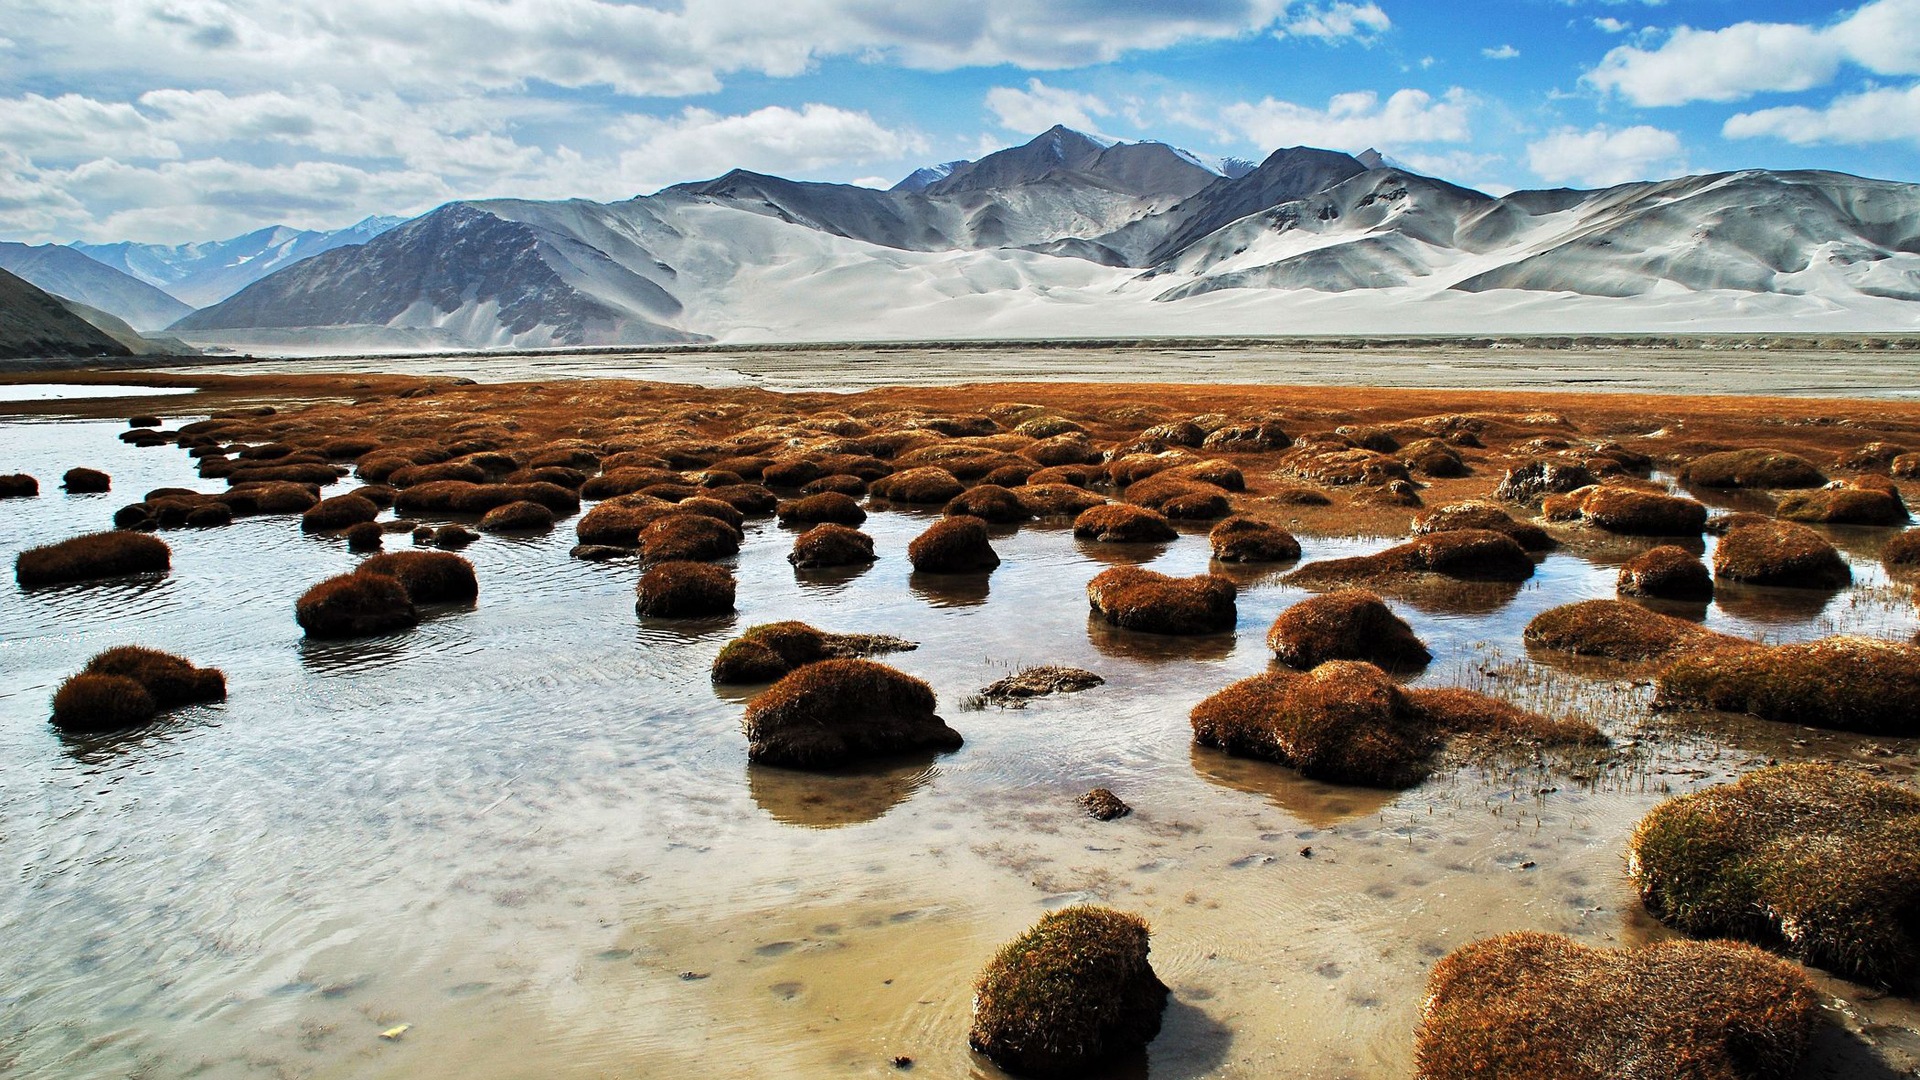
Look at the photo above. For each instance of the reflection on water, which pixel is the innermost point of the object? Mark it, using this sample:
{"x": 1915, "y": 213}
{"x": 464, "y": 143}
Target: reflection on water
{"x": 10, "y": 392}
{"x": 835, "y": 799}
{"x": 1313, "y": 802}
{"x": 528, "y": 828}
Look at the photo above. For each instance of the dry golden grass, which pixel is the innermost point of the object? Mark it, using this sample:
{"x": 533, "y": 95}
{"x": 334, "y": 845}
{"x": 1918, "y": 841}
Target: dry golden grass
{"x": 1123, "y": 523}
{"x": 355, "y": 605}
{"x": 835, "y": 507}
{"x": 1752, "y": 468}
{"x": 831, "y": 545}
{"x": 1530, "y": 1005}
{"x": 1666, "y": 572}
{"x": 1249, "y": 540}
{"x": 1767, "y": 552}
{"x": 429, "y": 577}
{"x": 679, "y": 590}
{"x": 1072, "y": 992}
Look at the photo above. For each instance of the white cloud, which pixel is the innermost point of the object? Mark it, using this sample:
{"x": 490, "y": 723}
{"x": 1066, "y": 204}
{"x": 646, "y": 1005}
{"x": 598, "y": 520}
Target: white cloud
{"x": 73, "y": 128}
{"x": 1602, "y": 157}
{"x": 1040, "y": 106}
{"x": 1882, "y": 115}
{"x": 1607, "y": 24}
{"x": 1352, "y": 121}
{"x": 1336, "y": 22}
{"x": 1504, "y": 52}
{"x": 1748, "y": 58}
{"x": 698, "y": 144}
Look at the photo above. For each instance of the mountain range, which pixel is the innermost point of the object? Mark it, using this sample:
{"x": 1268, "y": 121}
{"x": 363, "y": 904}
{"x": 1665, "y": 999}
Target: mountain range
{"x": 1071, "y": 235}
{"x": 208, "y": 272}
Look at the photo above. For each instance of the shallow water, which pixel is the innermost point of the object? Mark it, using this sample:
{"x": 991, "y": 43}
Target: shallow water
{"x": 529, "y": 830}
{"x": 12, "y": 392}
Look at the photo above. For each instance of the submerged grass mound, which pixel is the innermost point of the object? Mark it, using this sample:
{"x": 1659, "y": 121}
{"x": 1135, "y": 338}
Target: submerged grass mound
{"x": 1250, "y": 540}
{"x": 836, "y": 507}
{"x": 837, "y": 712}
{"x": 1476, "y": 514}
{"x": 430, "y": 577}
{"x": 83, "y": 481}
{"x": 1850, "y": 683}
{"x": 18, "y": 486}
{"x": 1619, "y": 630}
{"x": 1766, "y": 552}
{"x": 1348, "y": 723}
{"x": 1463, "y": 554}
{"x": 90, "y": 702}
{"x": 172, "y": 681}
{"x": 682, "y": 590}
{"x": 1846, "y": 506}
{"x": 1136, "y": 599}
{"x": 354, "y": 605}
{"x": 1666, "y": 572}
{"x": 1351, "y": 624}
{"x": 830, "y": 545}
{"x": 461, "y": 497}
{"x": 1819, "y": 862}
{"x": 1531, "y": 1005}
{"x": 1772, "y": 469}
{"x": 955, "y": 545}
{"x": 92, "y": 556}
{"x": 1073, "y": 991}
{"x": 1123, "y": 523}
{"x": 1040, "y": 681}
{"x": 1628, "y": 511}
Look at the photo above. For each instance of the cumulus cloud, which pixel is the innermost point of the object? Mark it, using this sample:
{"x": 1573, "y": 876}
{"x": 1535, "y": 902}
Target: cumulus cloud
{"x": 1352, "y": 121}
{"x": 1881, "y": 115}
{"x": 1336, "y": 22}
{"x": 1607, "y": 24}
{"x": 1504, "y": 52}
{"x": 1751, "y": 57}
{"x": 1040, "y": 106}
{"x": 698, "y": 143}
{"x": 1602, "y": 157}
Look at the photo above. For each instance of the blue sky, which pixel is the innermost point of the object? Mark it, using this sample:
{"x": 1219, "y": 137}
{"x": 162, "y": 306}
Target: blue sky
{"x": 177, "y": 120}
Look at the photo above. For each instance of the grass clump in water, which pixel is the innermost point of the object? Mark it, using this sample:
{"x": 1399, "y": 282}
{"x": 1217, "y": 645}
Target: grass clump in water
{"x": 1819, "y": 862}
{"x": 1761, "y": 551}
{"x": 679, "y": 590}
{"x": 1074, "y": 991}
{"x": 18, "y": 486}
{"x": 1351, "y": 624}
{"x": 1667, "y": 572}
{"x": 1347, "y": 722}
{"x": 1619, "y": 630}
{"x": 837, "y": 712}
{"x": 1123, "y": 523}
{"x": 1533, "y": 1005}
{"x": 355, "y": 605}
{"x": 1753, "y": 468}
{"x": 1250, "y": 540}
{"x": 1136, "y": 599}
{"x": 84, "y": 481}
{"x": 831, "y": 545}
{"x": 92, "y": 556}
{"x": 1628, "y": 511}
{"x": 1850, "y": 683}
{"x": 955, "y": 545}
{"x": 836, "y": 507}
{"x": 990, "y": 503}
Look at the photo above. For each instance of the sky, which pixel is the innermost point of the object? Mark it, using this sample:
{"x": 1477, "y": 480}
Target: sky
{"x": 168, "y": 121}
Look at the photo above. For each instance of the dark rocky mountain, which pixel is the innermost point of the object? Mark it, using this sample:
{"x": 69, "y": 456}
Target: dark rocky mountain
{"x": 66, "y": 272}
{"x": 34, "y": 323}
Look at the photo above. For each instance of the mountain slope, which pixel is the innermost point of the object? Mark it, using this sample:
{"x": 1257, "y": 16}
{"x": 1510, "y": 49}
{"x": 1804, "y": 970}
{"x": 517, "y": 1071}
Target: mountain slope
{"x": 1082, "y": 237}
{"x": 66, "y": 272}
{"x": 137, "y": 343}
{"x": 34, "y": 323}
{"x": 209, "y": 272}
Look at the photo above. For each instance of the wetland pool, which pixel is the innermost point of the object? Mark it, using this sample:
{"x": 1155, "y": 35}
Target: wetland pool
{"x": 529, "y": 832}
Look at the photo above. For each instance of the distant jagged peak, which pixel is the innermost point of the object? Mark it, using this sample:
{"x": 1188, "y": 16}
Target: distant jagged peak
{"x": 926, "y": 176}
